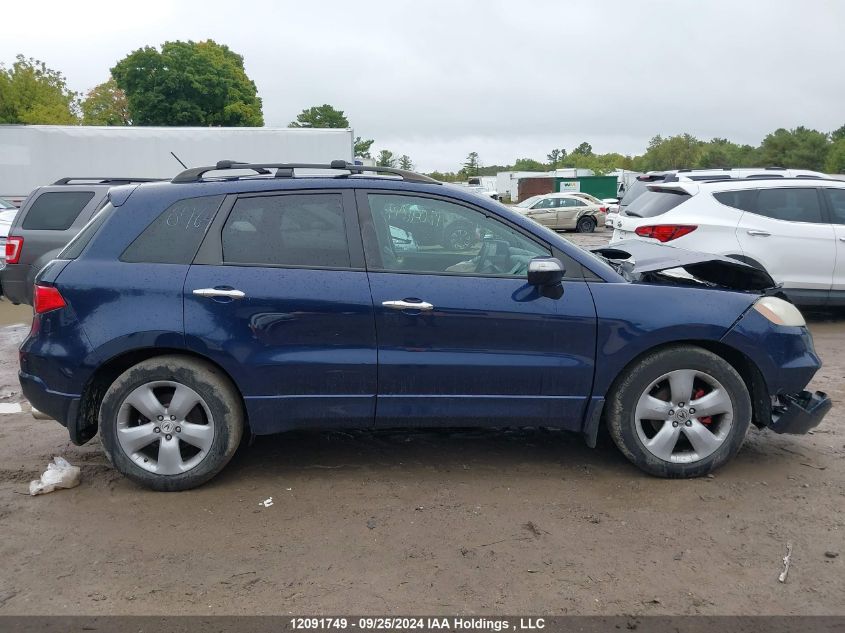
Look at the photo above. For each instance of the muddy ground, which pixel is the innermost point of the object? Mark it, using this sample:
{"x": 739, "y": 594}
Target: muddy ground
{"x": 471, "y": 522}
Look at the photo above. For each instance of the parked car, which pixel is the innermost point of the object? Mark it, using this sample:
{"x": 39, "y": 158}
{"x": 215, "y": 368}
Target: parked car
{"x": 640, "y": 185}
{"x": 8, "y": 211}
{"x": 793, "y": 228}
{"x": 187, "y": 315}
{"x": 564, "y": 211}
{"x": 48, "y": 219}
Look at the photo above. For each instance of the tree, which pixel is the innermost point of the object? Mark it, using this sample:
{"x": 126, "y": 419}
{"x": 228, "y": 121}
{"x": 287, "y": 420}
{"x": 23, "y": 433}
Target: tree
{"x": 555, "y": 157}
{"x": 362, "y": 147}
{"x": 31, "y": 93}
{"x": 528, "y": 164}
{"x": 321, "y": 116}
{"x": 405, "y": 162}
{"x": 471, "y": 165}
{"x": 106, "y": 105}
{"x": 584, "y": 149}
{"x": 676, "y": 152}
{"x": 835, "y": 163}
{"x": 800, "y": 148}
{"x": 838, "y": 135}
{"x": 386, "y": 159}
{"x": 188, "y": 83}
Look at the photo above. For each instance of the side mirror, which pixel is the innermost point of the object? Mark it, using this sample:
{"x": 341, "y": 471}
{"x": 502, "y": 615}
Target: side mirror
{"x": 545, "y": 271}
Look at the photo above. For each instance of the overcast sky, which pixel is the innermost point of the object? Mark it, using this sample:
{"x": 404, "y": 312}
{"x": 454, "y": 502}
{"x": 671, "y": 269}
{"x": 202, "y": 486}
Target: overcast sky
{"x": 436, "y": 80}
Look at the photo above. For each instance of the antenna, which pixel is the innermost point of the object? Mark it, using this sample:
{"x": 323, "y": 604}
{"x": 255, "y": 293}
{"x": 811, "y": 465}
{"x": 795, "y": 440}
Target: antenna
{"x": 180, "y": 160}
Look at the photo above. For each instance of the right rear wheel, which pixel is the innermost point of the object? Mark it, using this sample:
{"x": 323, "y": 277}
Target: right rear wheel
{"x": 171, "y": 423}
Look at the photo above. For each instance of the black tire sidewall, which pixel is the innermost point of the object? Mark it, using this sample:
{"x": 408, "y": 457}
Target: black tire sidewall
{"x": 627, "y": 390}
{"x": 586, "y": 225}
{"x": 210, "y": 384}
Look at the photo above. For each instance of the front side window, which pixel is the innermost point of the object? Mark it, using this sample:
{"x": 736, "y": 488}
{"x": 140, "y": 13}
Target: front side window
{"x": 307, "y": 230}
{"x": 546, "y": 203}
{"x": 425, "y": 235}
{"x": 791, "y": 205}
{"x": 56, "y": 210}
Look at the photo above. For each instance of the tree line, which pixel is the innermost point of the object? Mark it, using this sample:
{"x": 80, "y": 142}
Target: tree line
{"x": 205, "y": 84}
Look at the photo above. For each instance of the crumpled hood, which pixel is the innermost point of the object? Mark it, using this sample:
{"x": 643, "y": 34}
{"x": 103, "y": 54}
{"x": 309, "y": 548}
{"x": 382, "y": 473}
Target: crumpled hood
{"x": 642, "y": 260}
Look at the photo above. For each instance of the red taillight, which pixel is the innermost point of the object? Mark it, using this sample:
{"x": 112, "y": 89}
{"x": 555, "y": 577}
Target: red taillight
{"x": 665, "y": 232}
{"x": 603, "y": 209}
{"x": 14, "y": 246}
{"x": 47, "y": 298}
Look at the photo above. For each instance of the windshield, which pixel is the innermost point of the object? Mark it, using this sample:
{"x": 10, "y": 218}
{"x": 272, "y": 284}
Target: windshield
{"x": 637, "y": 188}
{"x": 528, "y": 202}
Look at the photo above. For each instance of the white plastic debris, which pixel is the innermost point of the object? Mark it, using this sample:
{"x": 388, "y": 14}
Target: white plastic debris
{"x": 786, "y": 560}
{"x": 59, "y": 474}
{"x": 267, "y": 502}
{"x": 10, "y": 407}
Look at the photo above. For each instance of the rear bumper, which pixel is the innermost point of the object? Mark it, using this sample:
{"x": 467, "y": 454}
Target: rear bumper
{"x": 61, "y": 407}
{"x": 15, "y": 284}
{"x": 798, "y": 413}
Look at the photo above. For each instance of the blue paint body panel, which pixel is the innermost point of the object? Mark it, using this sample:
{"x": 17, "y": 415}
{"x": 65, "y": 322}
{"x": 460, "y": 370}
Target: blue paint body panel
{"x": 315, "y": 348}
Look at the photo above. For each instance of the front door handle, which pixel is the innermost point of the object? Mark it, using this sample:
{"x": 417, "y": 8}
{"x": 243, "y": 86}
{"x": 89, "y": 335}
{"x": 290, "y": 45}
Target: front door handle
{"x": 758, "y": 233}
{"x": 842, "y": 239}
{"x": 230, "y": 293}
{"x": 408, "y": 305}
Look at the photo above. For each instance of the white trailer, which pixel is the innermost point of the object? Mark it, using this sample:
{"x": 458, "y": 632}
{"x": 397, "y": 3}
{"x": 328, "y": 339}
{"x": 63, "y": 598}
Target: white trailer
{"x": 35, "y": 155}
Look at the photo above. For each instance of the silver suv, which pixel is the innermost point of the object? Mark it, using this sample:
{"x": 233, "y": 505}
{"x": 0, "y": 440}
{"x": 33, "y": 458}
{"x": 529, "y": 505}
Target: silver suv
{"x": 48, "y": 219}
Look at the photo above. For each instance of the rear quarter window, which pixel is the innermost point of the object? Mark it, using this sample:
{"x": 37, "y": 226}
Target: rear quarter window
{"x": 654, "y": 203}
{"x": 175, "y": 235}
{"x": 56, "y": 210}
{"x": 83, "y": 238}
{"x": 742, "y": 200}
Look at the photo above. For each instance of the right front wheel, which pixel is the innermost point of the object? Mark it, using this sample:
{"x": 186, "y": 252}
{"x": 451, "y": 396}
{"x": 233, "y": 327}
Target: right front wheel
{"x": 679, "y": 412}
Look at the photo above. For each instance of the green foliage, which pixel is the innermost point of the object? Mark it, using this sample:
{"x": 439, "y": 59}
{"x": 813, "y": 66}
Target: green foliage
{"x": 31, "y": 93}
{"x": 106, "y": 104}
{"x": 471, "y": 165}
{"x": 801, "y": 148}
{"x": 321, "y": 116}
{"x": 838, "y": 135}
{"x": 188, "y": 83}
{"x": 386, "y": 159}
{"x": 555, "y": 157}
{"x": 405, "y": 162}
{"x": 584, "y": 149}
{"x": 448, "y": 176}
{"x": 528, "y": 164}
{"x": 676, "y": 152}
{"x": 835, "y": 163}
{"x": 362, "y": 147}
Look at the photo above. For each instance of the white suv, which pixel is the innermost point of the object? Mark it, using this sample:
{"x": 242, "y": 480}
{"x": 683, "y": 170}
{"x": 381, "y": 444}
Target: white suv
{"x": 794, "y": 228}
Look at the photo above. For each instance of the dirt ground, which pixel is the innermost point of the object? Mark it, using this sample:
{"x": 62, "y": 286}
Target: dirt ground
{"x": 472, "y": 522}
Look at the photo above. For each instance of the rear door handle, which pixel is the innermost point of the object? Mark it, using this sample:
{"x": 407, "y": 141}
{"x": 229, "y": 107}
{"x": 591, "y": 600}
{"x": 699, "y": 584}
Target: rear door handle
{"x": 408, "y": 305}
{"x": 231, "y": 293}
{"x": 842, "y": 239}
{"x": 758, "y": 233}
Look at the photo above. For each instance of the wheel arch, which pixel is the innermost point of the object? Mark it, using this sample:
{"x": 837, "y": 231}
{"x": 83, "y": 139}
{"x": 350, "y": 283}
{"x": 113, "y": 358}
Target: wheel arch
{"x": 744, "y": 366}
{"x": 85, "y": 425}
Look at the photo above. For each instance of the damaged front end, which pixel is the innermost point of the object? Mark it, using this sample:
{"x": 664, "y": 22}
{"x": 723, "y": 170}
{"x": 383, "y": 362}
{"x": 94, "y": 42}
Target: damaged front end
{"x": 647, "y": 262}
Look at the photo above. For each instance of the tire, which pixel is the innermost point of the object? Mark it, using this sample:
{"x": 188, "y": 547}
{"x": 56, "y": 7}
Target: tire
{"x": 701, "y": 443}
{"x": 459, "y": 236}
{"x": 586, "y": 224}
{"x": 201, "y": 437}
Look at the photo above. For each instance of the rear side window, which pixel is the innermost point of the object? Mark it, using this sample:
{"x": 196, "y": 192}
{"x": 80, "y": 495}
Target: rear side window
{"x": 654, "y": 203}
{"x": 77, "y": 244}
{"x": 791, "y": 205}
{"x": 307, "y": 230}
{"x": 56, "y": 210}
{"x": 837, "y": 204}
{"x": 175, "y": 235}
{"x": 743, "y": 200}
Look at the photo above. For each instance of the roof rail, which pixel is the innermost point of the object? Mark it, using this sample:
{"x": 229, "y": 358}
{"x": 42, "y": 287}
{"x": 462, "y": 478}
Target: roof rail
{"x": 285, "y": 170}
{"x": 95, "y": 180}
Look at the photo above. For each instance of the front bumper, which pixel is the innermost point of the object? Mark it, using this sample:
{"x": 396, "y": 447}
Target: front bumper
{"x": 798, "y": 413}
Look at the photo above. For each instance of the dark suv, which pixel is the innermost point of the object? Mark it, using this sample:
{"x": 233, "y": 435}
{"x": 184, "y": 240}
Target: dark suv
{"x": 48, "y": 219}
{"x": 191, "y": 313}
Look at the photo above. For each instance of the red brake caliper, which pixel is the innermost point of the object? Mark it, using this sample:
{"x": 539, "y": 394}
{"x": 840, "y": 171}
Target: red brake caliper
{"x": 698, "y": 394}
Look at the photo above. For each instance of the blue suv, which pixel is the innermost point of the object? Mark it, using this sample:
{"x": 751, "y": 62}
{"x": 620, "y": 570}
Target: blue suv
{"x": 244, "y": 299}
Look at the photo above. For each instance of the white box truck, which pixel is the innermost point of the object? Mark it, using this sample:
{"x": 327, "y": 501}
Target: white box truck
{"x": 35, "y": 155}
